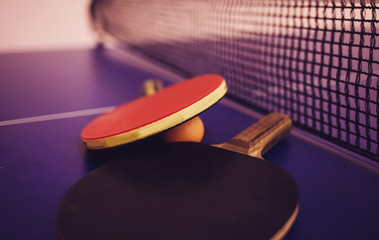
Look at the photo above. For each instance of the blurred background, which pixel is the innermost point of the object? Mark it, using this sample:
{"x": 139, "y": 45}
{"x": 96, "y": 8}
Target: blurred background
{"x": 44, "y": 25}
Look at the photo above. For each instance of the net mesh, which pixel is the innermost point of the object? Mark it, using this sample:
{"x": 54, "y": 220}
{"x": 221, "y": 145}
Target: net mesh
{"x": 316, "y": 61}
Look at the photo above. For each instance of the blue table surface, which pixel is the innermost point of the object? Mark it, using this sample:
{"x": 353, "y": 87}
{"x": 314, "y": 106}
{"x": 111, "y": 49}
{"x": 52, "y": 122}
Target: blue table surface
{"x": 40, "y": 161}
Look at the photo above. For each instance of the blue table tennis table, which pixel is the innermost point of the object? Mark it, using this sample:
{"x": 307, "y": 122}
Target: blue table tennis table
{"x": 48, "y": 97}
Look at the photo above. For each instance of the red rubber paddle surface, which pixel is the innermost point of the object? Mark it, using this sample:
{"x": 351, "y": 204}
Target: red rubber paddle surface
{"x": 146, "y": 110}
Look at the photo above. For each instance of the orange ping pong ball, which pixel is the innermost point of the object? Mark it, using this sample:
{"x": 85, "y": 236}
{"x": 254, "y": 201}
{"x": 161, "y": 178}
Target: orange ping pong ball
{"x": 190, "y": 131}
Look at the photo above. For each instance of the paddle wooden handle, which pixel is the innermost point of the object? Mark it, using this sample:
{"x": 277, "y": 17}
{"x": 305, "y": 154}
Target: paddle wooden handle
{"x": 150, "y": 87}
{"x": 261, "y": 136}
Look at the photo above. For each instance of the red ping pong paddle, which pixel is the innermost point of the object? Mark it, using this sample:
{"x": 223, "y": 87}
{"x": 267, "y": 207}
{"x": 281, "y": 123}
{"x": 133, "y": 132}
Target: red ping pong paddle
{"x": 152, "y": 114}
{"x": 187, "y": 190}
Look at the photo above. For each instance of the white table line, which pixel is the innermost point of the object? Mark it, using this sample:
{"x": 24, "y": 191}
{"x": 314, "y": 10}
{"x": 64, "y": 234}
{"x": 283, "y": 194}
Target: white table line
{"x": 48, "y": 117}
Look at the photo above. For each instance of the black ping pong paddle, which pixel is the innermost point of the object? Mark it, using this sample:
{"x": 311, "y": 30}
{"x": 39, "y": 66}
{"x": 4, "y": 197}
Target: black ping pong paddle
{"x": 187, "y": 191}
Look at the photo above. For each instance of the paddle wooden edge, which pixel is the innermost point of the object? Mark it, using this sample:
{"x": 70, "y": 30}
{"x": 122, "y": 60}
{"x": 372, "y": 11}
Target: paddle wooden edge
{"x": 162, "y": 124}
{"x": 287, "y": 226}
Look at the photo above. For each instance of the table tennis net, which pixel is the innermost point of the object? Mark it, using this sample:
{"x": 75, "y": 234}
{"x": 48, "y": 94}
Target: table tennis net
{"x": 316, "y": 61}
